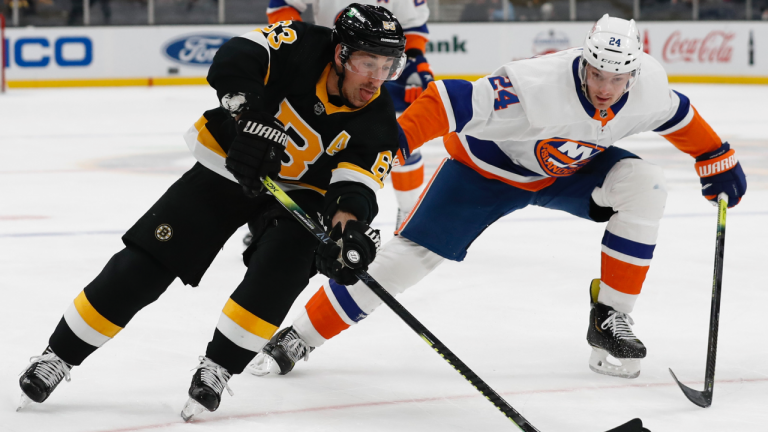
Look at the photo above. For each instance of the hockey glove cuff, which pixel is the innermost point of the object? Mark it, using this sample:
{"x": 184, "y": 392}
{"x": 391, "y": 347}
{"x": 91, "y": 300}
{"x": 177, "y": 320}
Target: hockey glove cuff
{"x": 719, "y": 172}
{"x": 256, "y": 151}
{"x": 417, "y": 75}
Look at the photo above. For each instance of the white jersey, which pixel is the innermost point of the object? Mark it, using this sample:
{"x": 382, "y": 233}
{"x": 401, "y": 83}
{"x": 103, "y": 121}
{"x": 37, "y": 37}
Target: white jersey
{"x": 412, "y": 14}
{"x": 529, "y": 122}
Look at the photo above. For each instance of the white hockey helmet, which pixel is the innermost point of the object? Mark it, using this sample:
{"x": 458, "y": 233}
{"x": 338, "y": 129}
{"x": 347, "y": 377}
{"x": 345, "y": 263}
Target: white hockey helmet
{"x": 612, "y": 45}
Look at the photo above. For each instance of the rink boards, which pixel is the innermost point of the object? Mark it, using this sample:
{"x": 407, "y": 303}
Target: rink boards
{"x": 724, "y": 52}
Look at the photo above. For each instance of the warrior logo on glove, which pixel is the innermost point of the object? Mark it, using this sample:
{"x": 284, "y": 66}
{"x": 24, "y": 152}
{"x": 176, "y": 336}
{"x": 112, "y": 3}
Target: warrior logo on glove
{"x": 270, "y": 133}
{"x": 257, "y": 150}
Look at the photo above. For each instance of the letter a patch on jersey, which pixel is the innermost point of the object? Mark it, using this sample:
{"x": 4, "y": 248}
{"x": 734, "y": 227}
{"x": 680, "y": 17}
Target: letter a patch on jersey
{"x": 560, "y": 157}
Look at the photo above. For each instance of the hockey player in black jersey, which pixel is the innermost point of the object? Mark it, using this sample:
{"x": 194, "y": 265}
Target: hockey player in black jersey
{"x": 299, "y": 103}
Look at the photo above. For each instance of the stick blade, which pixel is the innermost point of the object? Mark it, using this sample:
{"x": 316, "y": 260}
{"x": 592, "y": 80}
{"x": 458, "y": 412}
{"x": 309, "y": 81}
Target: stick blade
{"x": 700, "y": 398}
{"x": 634, "y": 425}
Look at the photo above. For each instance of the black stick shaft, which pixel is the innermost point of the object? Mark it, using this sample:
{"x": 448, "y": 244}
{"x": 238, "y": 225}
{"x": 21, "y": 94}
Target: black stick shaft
{"x": 704, "y": 398}
{"x": 406, "y": 316}
{"x": 717, "y": 286}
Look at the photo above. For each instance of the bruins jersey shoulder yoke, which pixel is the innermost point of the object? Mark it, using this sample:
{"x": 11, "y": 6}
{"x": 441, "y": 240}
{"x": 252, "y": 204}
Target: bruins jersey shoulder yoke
{"x": 335, "y": 150}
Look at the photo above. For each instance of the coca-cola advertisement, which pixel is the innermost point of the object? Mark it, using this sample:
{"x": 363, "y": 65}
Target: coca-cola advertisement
{"x": 714, "y": 47}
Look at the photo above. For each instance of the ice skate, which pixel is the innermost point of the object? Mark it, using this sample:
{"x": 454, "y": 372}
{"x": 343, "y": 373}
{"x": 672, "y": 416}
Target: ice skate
{"x": 41, "y": 377}
{"x": 208, "y": 384}
{"x": 280, "y": 354}
{"x": 610, "y": 334}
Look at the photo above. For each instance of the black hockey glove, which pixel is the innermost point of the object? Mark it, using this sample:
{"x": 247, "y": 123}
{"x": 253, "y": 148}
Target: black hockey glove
{"x": 352, "y": 250}
{"x": 256, "y": 151}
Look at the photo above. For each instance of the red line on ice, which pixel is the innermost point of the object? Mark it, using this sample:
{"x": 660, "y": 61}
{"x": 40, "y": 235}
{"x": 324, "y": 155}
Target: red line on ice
{"x": 406, "y": 401}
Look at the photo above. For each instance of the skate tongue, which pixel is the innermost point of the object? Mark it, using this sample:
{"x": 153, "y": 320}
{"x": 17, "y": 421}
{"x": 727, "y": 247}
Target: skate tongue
{"x": 634, "y": 425}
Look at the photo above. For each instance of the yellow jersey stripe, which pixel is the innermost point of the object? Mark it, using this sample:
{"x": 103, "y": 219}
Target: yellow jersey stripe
{"x": 205, "y": 138}
{"x": 353, "y": 167}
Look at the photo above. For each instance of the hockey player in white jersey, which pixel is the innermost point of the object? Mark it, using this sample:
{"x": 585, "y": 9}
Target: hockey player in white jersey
{"x": 407, "y": 178}
{"x": 539, "y": 131}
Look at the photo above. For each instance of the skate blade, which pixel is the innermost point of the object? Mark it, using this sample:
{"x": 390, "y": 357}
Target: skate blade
{"x": 25, "y": 400}
{"x": 191, "y": 409}
{"x": 263, "y": 365}
{"x": 626, "y": 368}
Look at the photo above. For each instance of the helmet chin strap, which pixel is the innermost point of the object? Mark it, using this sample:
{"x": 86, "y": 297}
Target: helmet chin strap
{"x": 344, "y": 55}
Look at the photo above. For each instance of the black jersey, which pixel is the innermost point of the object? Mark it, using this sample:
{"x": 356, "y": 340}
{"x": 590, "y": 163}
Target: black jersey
{"x": 338, "y": 151}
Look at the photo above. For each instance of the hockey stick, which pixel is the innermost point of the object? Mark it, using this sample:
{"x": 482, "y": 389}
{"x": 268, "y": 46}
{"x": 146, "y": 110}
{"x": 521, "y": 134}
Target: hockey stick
{"x": 704, "y": 398}
{"x": 499, "y": 402}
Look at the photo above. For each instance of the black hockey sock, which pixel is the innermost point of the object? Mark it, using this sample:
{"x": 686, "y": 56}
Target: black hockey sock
{"x": 278, "y": 270}
{"x": 130, "y": 280}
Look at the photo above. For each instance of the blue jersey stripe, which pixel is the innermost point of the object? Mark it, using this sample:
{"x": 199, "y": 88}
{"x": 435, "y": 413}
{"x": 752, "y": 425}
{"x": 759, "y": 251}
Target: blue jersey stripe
{"x": 682, "y": 111}
{"x": 350, "y": 307}
{"x": 421, "y": 29}
{"x": 490, "y": 153}
{"x": 460, "y": 94}
{"x": 274, "y": 4}
{"x": 628, "y": 247}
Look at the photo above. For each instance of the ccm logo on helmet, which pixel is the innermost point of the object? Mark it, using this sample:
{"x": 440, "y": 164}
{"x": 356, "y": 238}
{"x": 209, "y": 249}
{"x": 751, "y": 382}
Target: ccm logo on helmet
{"x": 610, "y": 61}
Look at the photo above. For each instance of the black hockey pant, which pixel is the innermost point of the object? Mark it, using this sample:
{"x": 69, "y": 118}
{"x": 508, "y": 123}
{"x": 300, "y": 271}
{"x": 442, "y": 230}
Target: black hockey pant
{"x": 278, "y": 270}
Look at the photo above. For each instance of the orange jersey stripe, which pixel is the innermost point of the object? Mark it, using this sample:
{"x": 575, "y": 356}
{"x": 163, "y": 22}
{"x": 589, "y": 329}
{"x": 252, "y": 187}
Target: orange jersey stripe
{"x": 409, "y": 180}
{"x": 622, "y": 276}
{"x": 424, "y": 67}
{"x": 696, "y": 138}
{"x": 459, "y": 153}
{"x": 287, "y": 13}
{"x": 415, "y": 41}
{"x": 323, "y": 316}
{"x": 428, "y": 106}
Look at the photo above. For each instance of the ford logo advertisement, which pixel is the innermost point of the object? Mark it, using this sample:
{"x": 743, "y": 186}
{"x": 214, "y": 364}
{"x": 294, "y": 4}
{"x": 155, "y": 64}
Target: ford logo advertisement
{"x": 195, "y": 50}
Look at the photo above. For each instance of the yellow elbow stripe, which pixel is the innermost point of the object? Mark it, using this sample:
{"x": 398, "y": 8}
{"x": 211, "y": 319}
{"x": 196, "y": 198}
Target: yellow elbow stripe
{"x": 205, "y": 138}
{"x": 350, "y": 172}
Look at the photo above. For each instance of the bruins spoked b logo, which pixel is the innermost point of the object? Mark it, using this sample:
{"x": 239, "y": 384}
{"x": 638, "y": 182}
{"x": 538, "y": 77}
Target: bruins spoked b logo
{"x": 163, "y": 232}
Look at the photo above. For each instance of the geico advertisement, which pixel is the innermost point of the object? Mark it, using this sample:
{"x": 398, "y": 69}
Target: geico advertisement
{"x": 121, "y": 52}
{"x": 712, "y": 48}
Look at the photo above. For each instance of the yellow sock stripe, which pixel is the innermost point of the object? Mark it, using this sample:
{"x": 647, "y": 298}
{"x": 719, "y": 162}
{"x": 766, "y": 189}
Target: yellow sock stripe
{"x": 93, "y": 318}
{"x": 248, "y": 321}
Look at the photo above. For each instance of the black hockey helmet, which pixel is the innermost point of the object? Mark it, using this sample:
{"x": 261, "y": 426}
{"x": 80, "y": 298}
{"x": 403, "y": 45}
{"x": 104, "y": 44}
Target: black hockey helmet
{"x": 372, "y": 29}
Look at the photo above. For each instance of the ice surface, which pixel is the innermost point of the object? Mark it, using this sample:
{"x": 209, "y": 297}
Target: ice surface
{"x": 79, "y": 166}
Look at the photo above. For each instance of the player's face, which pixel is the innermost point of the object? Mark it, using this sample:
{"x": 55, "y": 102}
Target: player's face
{"x": 368, "y": 73}
{"x": 605, "y": 88}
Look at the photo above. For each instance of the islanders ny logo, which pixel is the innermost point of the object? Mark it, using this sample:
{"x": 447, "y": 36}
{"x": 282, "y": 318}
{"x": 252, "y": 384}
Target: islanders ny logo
{"x": 560, "y": 157}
